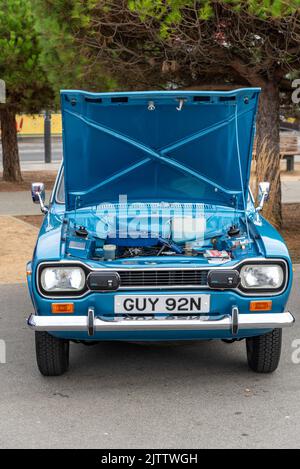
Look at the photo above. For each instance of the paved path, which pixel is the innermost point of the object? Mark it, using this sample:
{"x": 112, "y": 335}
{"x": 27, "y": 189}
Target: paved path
{"x": 19, "y": 203}
{"x": 119, "y": 395}
{"x": 290, "y": 191}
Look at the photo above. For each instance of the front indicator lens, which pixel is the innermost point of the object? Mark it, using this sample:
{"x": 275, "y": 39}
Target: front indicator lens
{"x": 62, "y": 279}
{"x": 260, "y": 305}
{"x": 262, "y": 276}
{"x": 64, "y": 308}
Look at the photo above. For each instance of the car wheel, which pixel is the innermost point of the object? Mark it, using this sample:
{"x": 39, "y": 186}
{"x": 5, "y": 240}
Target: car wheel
{"x": 52, "y": 354}
{"x": 263, "y": 352}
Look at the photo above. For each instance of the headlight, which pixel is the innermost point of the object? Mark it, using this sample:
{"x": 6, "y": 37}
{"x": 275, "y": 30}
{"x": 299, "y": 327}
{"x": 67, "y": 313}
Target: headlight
{"x": 62, "y": 279}
{"x": 262, "y": 276}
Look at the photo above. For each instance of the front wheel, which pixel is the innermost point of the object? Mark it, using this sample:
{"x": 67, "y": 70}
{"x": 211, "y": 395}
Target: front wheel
{"x": 263, "y": 352}
{"x": 52, "y": 354}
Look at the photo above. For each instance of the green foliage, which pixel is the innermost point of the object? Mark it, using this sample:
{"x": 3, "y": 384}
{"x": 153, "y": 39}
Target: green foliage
{"x": 275, "y": 8}
{"x": 169, "y": 11}
{"x": 85, "y": 41}
{"x": 59, "y": 24}
{"x": 206, "y": 11}
{"x": 26, "y": 84}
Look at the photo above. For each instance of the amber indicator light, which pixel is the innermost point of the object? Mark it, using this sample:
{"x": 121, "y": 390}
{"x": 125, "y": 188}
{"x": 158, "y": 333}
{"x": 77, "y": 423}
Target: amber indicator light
{"x": 260, "y": 305}
{"x": 62, "y": 308}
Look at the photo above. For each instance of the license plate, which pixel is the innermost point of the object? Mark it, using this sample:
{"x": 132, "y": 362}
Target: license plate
{"x": 179, "y": 304}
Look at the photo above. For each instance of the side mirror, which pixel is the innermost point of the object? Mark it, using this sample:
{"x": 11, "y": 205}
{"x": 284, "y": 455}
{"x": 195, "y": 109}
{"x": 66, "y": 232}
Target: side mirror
{"x": 38, "y": 195}
{"x": 263, "y": 194}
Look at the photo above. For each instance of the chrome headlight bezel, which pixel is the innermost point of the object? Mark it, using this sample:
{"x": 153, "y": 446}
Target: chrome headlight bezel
{"x": 63, "y": 292}
{"x": 264, "y": 289}
{"x": 239, "y": 289}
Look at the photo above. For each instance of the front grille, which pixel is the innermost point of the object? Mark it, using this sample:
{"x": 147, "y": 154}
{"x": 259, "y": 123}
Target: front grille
{"x": 163, "y": 278}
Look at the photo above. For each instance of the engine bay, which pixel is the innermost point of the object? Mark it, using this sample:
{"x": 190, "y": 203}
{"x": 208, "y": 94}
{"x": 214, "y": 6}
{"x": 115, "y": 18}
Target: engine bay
{"x": 197, "y": 231}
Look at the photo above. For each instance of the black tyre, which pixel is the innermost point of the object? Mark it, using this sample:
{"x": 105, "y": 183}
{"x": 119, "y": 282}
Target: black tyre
{"x": 52, "y": 354}
{"x": 263, "y": 352}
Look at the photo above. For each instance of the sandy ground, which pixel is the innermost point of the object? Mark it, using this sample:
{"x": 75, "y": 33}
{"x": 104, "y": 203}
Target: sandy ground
{"x": 35, "y": 220}
{"x": 47, "y": 177}
{"x": 18, "y": 241}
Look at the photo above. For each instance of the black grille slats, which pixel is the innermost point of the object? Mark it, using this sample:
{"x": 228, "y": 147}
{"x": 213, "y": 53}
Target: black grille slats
{"x": 157, "y": 278}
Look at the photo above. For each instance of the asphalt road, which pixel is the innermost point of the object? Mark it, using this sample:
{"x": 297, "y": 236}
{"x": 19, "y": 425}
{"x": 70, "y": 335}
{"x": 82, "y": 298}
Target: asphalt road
{"x": 118, "y": 395}
{"x": 33, "y": 150}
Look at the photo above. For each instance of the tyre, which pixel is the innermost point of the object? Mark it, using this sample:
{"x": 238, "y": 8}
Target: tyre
{"x": 52, "y": 354}
{"x": 263, "y": 352}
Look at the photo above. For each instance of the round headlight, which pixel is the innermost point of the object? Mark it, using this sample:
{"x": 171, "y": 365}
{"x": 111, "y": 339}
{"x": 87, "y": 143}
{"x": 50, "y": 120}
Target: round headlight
{"x": 262, "y": 276}
{"x": 62, "y": 279}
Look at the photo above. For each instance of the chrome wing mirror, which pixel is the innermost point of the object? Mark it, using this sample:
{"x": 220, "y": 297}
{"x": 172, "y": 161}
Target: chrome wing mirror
{"x": 263, "y": 195}
{"x": 38, "y": 195}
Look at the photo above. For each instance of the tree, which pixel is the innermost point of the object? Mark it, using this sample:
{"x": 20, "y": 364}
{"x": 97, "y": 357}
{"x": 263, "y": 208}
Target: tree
{"x": 67, "y": 62}
{"x": 27, "y": 87}
{"x": 194, "y": 43}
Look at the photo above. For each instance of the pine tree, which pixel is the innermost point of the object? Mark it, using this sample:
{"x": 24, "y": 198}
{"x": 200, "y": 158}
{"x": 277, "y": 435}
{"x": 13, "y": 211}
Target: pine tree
{"x": 27, "y": 87}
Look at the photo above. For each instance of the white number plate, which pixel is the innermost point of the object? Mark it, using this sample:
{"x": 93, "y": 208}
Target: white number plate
{"x": 179, "y": 304}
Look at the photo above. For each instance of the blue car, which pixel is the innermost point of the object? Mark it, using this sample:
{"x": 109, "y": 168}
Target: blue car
{"x": 151, "y": 233}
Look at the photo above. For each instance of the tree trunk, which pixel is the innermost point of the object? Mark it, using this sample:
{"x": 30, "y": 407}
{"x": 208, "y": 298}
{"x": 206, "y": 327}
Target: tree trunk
{"x": 268, "y": 151}
{"x": 10, "y": 152}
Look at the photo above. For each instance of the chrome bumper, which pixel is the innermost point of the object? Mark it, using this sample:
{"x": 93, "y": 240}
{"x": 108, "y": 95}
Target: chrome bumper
{"x": 91, "y": 324}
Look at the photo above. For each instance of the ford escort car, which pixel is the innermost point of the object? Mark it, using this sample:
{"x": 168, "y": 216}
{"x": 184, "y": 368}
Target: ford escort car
{"x": 152, "y": 234}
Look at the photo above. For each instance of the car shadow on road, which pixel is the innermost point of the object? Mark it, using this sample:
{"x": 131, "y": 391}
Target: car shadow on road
{"x": 121, "y": 362}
